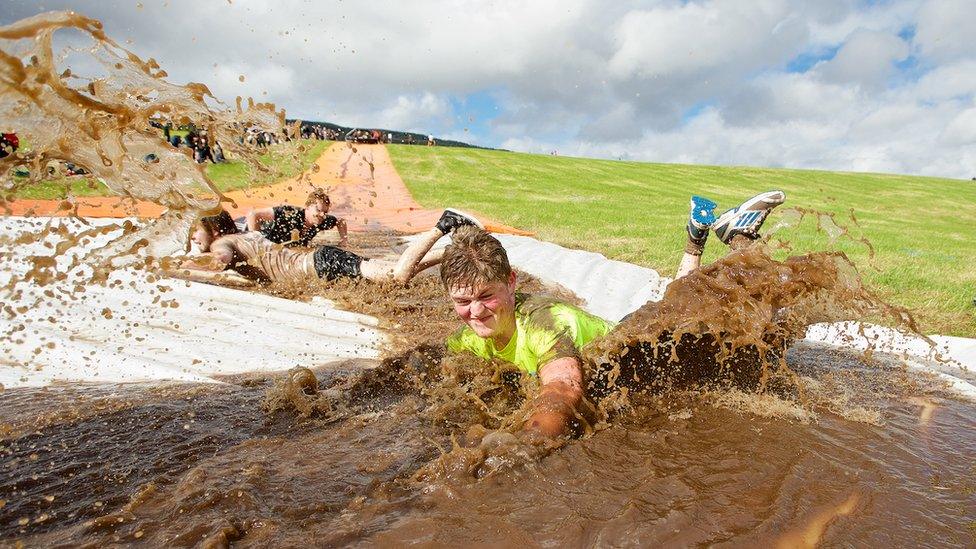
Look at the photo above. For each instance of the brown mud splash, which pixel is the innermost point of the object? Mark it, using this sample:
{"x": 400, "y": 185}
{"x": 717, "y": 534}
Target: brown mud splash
{"x": 729, "y": 323}
{"x": 754, "y": 305}
{"x": 101, "y": 123}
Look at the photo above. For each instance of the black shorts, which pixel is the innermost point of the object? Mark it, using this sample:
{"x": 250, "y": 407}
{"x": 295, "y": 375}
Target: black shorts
{"x": 332, "y": 262}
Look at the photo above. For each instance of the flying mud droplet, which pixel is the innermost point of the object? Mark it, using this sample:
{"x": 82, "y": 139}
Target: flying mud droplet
{"x": 304, "y": 379}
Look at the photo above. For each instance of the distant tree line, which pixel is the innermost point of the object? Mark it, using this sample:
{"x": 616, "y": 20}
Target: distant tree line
{"x": 398, "y": 137}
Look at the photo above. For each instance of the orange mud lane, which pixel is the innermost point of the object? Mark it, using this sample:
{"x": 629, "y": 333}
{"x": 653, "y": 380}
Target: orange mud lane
{"x": 364, "y": 186}
{"x": 258, "y": 463}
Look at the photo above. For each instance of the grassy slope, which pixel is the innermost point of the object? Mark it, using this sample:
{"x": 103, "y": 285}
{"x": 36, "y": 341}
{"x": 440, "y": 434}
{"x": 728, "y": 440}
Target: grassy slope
{"x": 922, "y": 228}
{"x": 228, "y": 176}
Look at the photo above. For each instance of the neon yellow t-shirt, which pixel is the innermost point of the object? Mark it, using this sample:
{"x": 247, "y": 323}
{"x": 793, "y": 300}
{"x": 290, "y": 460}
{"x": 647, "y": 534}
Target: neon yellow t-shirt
{"x": 545, "y": 329}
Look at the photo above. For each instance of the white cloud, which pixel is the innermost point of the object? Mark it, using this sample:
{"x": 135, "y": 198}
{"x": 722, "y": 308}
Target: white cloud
{"x": 697, "y": 37}
{"x": 665, "y": 80}
{"x": 961, "y": 130}
{"x": 866, "y": 59}
{"x": 842, "y": 18}
{"x": 948, "y": 81}
{"x": 419, "y": 114}
{"x": 946, "y": 29}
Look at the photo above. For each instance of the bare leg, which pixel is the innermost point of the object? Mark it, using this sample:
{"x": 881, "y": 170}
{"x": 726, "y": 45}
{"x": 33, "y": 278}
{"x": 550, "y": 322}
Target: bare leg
{"x": 691, "y": 259}
{"x": 689, "y": 262}
{"x": 412, "y": 261}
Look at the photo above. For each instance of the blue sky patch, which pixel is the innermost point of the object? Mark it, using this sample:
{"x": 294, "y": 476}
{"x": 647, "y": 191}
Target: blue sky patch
{"x": 475, "y": 112}
{"x": 808, "y": 59}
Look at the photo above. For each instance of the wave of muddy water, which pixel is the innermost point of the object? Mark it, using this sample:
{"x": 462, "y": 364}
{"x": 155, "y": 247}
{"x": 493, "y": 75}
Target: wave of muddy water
{"x": 183, "y": 465}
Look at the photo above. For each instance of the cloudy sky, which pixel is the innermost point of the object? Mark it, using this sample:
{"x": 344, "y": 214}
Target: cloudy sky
{"x": 886, "y": 86}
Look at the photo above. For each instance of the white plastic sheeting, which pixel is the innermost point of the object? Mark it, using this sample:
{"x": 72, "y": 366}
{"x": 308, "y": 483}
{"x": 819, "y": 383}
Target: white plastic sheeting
{"x": 953, "y": 359}
{"x": 122, "y": 332}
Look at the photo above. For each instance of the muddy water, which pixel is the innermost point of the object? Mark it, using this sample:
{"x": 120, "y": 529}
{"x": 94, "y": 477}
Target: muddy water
{"x": 98, "y": 118}
{"x": 188, "y": 465}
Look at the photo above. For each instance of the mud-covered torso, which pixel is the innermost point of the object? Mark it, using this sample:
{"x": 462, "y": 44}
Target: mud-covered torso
{"x": 545, "y": 330}
{"x": 278, "y": 262}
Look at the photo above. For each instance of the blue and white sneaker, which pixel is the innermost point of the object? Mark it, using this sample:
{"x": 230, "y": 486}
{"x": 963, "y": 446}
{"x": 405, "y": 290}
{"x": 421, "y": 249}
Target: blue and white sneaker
{"x": 701, "y": 217}
{"x": 747, "y": 217}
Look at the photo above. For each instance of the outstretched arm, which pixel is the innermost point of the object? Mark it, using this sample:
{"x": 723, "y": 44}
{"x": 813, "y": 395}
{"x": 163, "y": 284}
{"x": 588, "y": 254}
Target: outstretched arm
{"x": 343, "y": 230}
{"x": 223, "y": 278}
{"x": 562, "y": 390}
{"x": 208, "y": 268}
{"x": 256, "y": 216}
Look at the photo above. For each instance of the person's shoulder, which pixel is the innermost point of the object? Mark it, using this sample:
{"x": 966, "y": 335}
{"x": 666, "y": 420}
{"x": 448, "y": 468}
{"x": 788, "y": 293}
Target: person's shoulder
{"x": 329, "y": 222}
{"x": 531, "y": 304}
{"x": 290, "y": 214}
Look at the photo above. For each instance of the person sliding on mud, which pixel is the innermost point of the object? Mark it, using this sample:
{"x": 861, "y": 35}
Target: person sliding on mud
{"x": 296, "y": 226}
{"x": 543, "y": 337}
{"x": 258, "y": 259}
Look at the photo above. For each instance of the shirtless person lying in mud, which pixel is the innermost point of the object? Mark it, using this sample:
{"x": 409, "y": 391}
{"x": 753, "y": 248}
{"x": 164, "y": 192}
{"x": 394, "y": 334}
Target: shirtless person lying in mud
{"x": 258, "y": 259}
{"x": 286, "y": 224}
{"x": 544, "y": 337}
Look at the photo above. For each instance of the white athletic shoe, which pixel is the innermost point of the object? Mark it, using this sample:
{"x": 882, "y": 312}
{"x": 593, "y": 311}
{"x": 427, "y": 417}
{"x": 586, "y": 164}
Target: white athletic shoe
{"x": 748, "y": 217}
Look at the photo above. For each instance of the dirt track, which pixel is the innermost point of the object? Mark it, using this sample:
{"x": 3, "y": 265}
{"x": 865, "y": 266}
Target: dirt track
{"x": 364, "y": 185}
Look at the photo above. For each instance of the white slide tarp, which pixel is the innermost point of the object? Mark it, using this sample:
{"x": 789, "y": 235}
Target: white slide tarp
{"x": 212, "y": 331}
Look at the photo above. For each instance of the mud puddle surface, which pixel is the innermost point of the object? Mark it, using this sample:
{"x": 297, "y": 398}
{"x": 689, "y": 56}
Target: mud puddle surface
{"x": 224, "y": 464}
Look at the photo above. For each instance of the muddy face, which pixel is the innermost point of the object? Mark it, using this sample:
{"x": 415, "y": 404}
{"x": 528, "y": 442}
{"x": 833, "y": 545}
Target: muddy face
{"x": 315, "y": 213}
{"x": 203, "y": 238}
{"x": 488, "y": 309}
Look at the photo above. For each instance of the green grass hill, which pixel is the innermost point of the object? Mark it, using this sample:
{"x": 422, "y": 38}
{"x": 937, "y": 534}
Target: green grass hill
{"x": 922, "y": 229}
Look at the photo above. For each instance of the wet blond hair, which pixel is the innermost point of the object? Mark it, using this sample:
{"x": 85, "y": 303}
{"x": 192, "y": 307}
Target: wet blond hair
{"x": 474, "y": 258}
{"x": 316, "y": 195}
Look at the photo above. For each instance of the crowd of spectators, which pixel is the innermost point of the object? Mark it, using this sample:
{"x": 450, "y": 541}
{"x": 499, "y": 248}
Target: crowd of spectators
{"x": 206, "y": 148}
{"x": 361, "y": 135}
{"x": 320, "y": 133}
{"x": 203, "y": 146}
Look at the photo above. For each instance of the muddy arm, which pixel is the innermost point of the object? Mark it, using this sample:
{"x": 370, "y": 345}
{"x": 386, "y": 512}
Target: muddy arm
{"x": 562, "y": 390}
{"x": 223, "y": 278}
{"x": 208, "y": 268}
{"x": 343, "y": 230}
